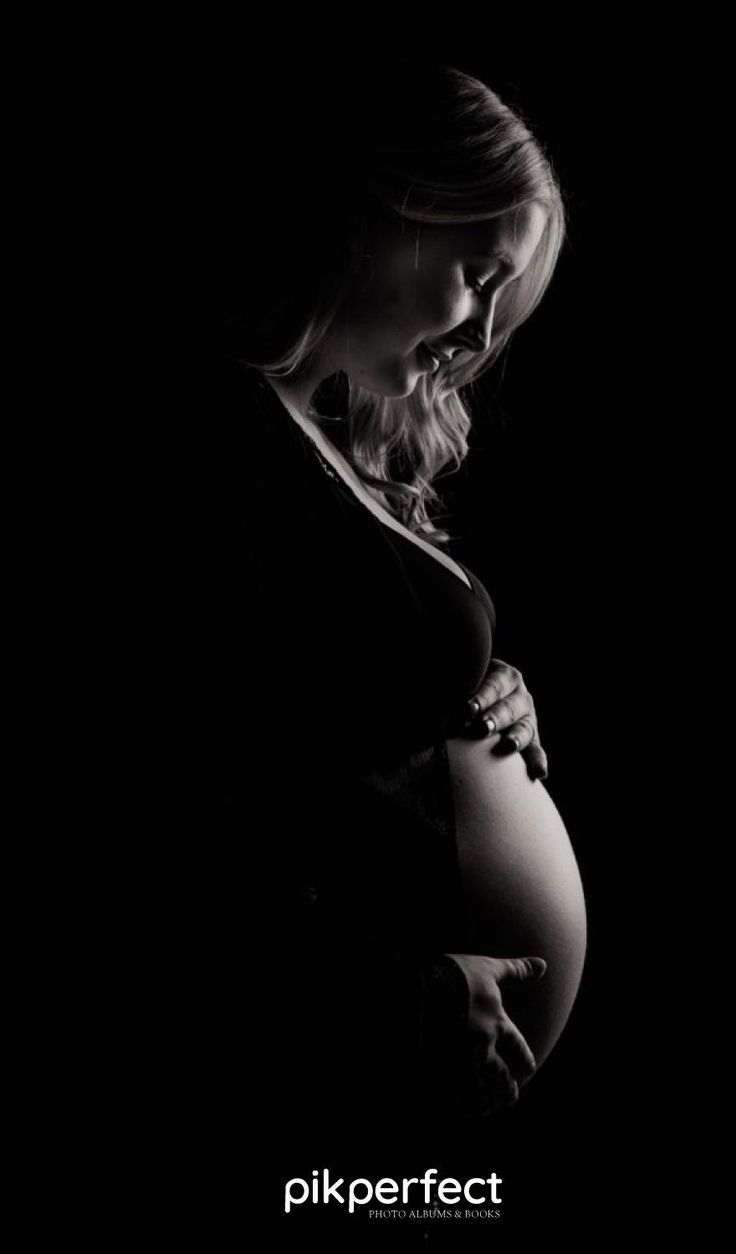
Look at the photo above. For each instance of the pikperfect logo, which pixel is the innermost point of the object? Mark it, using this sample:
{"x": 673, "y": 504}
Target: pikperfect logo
{"x": 360, "y": 1192}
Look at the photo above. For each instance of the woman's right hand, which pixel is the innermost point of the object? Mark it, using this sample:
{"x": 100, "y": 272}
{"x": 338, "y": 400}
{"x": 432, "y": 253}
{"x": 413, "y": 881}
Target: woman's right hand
{"x": 496, "y": 1059}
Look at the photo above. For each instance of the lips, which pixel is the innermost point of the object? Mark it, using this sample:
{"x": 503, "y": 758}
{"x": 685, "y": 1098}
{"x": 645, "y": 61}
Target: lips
{"x": 439, "y": 354}
{"x": 431, "y": 362}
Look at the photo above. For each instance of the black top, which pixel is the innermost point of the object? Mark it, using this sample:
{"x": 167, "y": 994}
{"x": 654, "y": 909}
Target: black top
{"x": 459, "y": 619}
{"x": 264, "y": 674}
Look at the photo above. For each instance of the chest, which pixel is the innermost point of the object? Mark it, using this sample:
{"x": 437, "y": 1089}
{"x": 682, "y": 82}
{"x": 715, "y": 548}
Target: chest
{"x": 399, "y": 622}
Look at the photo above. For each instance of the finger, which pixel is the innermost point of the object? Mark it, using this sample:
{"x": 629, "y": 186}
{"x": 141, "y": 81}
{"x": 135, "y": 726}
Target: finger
{"x": 466, "y": 1088}
{"x": 517, "y": 736}
{"x": 499, "y": 682}
{"x": 536, "y": 761}
{"x": 511, "y": 1046}
{"x": 501, "y": 1087}
{"x": 519, "y": 968}
{"x": 509, "y": 710}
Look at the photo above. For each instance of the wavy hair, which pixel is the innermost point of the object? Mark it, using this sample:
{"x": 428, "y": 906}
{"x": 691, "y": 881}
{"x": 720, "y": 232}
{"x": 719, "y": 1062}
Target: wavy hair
{"x": 407, "y": 136}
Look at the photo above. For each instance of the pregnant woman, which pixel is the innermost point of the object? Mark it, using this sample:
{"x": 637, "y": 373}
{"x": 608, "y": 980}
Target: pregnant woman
{"x": 414, "y": 910}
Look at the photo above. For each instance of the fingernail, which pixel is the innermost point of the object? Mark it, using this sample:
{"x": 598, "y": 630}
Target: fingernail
{"x": 505, "y": 746}
{"x": 473, "y": 707}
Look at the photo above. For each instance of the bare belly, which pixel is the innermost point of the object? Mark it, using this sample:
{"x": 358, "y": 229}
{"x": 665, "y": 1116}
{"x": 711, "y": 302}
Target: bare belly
{"x": 521, "y": 882}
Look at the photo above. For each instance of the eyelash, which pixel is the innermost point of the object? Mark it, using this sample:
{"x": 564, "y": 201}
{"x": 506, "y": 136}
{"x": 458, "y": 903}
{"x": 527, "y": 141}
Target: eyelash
{"x": 478, "y": 286}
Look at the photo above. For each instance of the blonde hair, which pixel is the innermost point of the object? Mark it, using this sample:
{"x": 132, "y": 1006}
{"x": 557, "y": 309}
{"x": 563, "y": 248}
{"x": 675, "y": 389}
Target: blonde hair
{"x": 406, "y": 136}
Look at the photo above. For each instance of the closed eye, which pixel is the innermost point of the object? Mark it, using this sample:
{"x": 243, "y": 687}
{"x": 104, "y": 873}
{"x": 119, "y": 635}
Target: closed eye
{"x": 479, "y": 285}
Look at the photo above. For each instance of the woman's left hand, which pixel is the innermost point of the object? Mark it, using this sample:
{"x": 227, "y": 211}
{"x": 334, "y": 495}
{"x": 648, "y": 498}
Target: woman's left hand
{"x": 503, "y": 704}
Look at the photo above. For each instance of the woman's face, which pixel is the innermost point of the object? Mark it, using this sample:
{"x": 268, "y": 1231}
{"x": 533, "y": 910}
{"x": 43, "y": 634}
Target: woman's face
{"x": 427, "y": 286}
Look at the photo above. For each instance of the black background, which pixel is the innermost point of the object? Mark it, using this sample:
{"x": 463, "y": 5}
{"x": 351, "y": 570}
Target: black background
{"x": 571, "y": 506}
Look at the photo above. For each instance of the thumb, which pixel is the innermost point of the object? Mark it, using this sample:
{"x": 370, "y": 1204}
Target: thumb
{"x": 522, "y": 968}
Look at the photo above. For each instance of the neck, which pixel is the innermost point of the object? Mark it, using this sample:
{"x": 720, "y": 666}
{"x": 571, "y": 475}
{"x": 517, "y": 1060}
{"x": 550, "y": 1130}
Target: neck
{"x": 295, "y": 395}
{"x": 299, "y": 390}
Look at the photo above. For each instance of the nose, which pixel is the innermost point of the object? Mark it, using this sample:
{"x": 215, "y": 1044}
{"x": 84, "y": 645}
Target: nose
{"x": 476, "y": 331}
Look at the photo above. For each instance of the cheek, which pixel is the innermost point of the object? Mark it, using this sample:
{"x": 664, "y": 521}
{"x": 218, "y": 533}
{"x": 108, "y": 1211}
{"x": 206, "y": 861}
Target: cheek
{"x": 398, "y": 300}
{"x": 438, "y": 299}
{"x": 385, "y": 309}
{"x": 423, "y": 305}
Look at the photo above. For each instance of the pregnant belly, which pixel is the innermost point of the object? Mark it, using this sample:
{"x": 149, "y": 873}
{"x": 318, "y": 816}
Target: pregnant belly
{"x": 521, "y": 882}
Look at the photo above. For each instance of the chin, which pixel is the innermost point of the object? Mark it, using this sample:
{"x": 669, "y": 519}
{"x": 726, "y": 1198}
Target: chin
{"x": 397, "y": 380}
